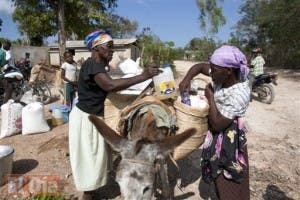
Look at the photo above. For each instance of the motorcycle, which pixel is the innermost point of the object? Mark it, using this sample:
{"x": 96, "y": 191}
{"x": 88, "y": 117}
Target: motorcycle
{"x": 20, "y": 86}
{"x": 14, "y": 76}
{"x": 24, "y": 66}
{"x": 262, "y": 87}
{"x": 41, "y": 91}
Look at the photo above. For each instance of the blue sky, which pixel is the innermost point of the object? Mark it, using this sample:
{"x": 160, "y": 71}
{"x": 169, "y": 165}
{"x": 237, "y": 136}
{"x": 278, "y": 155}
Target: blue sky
{"x": 170, "y": 20}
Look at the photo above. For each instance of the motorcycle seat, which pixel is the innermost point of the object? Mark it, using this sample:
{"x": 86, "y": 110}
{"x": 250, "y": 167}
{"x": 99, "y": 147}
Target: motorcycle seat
{"x": 265, "y": 75}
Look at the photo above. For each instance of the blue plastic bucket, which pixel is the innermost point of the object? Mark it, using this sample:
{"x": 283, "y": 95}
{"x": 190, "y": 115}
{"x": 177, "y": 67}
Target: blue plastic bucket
{"x": 65, "y": 110}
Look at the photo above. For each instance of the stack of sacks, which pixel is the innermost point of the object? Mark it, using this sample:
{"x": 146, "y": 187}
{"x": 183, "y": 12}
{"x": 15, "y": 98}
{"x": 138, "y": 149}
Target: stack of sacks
{"x": 28, "y": 120}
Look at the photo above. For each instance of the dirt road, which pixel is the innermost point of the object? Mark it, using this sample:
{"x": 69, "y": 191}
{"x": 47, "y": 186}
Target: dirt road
{"x": 273, "y": 145}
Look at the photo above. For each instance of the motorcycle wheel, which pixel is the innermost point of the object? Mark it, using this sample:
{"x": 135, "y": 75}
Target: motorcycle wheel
{"x": 43, "y": 93}
{"x": 17, "y": 95}
{"x": 1, "y": 95}
{"x": 266, "y": 93}
{"x": 17, "y": 92}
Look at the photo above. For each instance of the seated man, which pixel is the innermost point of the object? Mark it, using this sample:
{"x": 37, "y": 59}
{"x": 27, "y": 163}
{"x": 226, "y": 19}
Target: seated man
{"x": 257, "y": 62}
{"x": 256, "y": 66}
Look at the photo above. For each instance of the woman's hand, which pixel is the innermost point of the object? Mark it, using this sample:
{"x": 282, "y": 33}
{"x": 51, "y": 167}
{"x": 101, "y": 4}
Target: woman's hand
{"x": 199, "y": 68}
{"x": 184, "y": 85}
{"x": 209, "y": 92}
{"x": 151, "y": 71}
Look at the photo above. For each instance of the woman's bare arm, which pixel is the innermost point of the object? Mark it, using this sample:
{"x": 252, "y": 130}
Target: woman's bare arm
{"x": 196, "y": 69}
{"x": 108, "y": 84}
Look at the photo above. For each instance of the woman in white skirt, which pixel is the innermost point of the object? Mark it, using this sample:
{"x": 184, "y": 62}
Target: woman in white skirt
{"x": 88, "y": 153}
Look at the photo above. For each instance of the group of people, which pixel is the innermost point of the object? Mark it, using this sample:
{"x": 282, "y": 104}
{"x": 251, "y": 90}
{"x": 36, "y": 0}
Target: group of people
{"x": 68, "y": 71}
{"x": 224, "y": 155}
{"x": 224, "y": 152}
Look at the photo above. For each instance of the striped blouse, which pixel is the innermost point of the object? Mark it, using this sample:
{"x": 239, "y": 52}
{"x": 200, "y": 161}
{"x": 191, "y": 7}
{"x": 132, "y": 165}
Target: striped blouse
{"x": 233, "y": 102}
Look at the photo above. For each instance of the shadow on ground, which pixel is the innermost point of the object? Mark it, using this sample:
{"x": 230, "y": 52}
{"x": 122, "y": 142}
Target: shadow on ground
{"x": 275, "y": 193}
{"x": 23, "y": 166}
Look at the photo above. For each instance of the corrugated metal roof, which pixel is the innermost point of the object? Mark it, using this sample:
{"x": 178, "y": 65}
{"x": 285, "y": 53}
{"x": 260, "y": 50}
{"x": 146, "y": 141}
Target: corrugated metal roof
{"x": 80, "y": 43}
{"x": 124, "y": 41}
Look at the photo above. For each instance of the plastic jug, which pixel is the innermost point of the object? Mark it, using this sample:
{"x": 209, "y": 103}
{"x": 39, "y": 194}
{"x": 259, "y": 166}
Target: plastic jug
{"x": 57, "y": 117}
{"x": 63, "y": 109}
{"x": 164, "y": 83}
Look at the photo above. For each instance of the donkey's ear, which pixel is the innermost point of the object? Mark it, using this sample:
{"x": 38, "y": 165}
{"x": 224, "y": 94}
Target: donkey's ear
{"x": 110, "y": 136}
{"x": 168, "y": 144}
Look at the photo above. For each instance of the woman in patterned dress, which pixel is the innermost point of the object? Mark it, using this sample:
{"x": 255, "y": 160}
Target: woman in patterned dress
{"x": 224, "y": 156}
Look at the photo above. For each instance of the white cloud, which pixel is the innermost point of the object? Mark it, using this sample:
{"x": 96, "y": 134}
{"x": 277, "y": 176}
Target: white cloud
{"x": 6, "y": 7}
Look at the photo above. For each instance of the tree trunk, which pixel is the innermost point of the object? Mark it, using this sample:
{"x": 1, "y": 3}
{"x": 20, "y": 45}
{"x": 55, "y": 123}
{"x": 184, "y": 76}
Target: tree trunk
{"x": 142, "y": 56}
{"x": 61, "y": 29}
{"x": 61, "y": 38}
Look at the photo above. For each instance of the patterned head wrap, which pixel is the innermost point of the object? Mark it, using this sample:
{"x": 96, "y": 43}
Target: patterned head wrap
{"x": 231, "y": 56}
{"x": 96, "y": 38}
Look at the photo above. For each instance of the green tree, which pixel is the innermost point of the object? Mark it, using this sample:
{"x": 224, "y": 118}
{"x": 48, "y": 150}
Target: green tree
{"x": 212, "y": 13}
{"x": 153, "y": 50}
{"x": 178, "y": 53}
{"x": 44, "y": 18}
{"x": 122, "y": 27}
{"x": 273, "y": 26}
{"x": 201, "y": 48}
{"x": 235, "y": 41}
{"x": 3, "y": 40}
{"x": 279, "y": 23}
{"x": 247, "y": 26}
{"x": 40, "y": 17}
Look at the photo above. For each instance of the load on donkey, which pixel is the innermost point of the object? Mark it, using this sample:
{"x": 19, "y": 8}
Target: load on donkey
{"x": 145, "y": 138}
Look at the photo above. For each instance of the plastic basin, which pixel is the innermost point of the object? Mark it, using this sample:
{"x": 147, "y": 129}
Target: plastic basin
{"x": 6, "y": 162}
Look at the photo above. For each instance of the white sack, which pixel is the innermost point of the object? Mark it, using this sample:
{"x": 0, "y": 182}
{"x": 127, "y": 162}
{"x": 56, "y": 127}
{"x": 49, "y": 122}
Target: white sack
{"x": 33, "y": 119}
{"x": 139, "y": 86}
{"x": 28, "y": 97}
{"x": 17, "y": 75}
{"x": 129, "y": 66}
{"x": 11, "y": 117}
{"x": 197, "y": 102}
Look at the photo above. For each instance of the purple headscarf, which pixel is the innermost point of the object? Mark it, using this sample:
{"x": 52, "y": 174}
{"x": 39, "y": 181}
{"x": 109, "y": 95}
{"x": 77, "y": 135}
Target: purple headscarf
{"x": 231, "y": 56}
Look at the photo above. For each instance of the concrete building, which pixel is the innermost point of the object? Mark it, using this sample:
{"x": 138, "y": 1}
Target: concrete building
{"x": 36, "y": 53}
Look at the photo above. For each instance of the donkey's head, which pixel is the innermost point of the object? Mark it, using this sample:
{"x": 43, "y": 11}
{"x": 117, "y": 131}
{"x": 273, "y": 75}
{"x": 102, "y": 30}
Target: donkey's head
{"x": 136, "y": 170}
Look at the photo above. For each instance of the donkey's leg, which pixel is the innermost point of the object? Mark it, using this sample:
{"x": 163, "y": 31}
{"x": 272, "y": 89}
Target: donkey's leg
{"x": 163, "y": 174}
{"x": 89, "y": 195}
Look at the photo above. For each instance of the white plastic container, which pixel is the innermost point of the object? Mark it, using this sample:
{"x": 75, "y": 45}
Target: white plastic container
{"x": 57, "y": 117}
{"x": 164, "y": 83}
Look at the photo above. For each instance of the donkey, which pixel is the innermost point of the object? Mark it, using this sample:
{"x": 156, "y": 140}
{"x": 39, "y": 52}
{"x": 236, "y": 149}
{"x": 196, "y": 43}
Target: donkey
{"x": 137, "y": 169}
